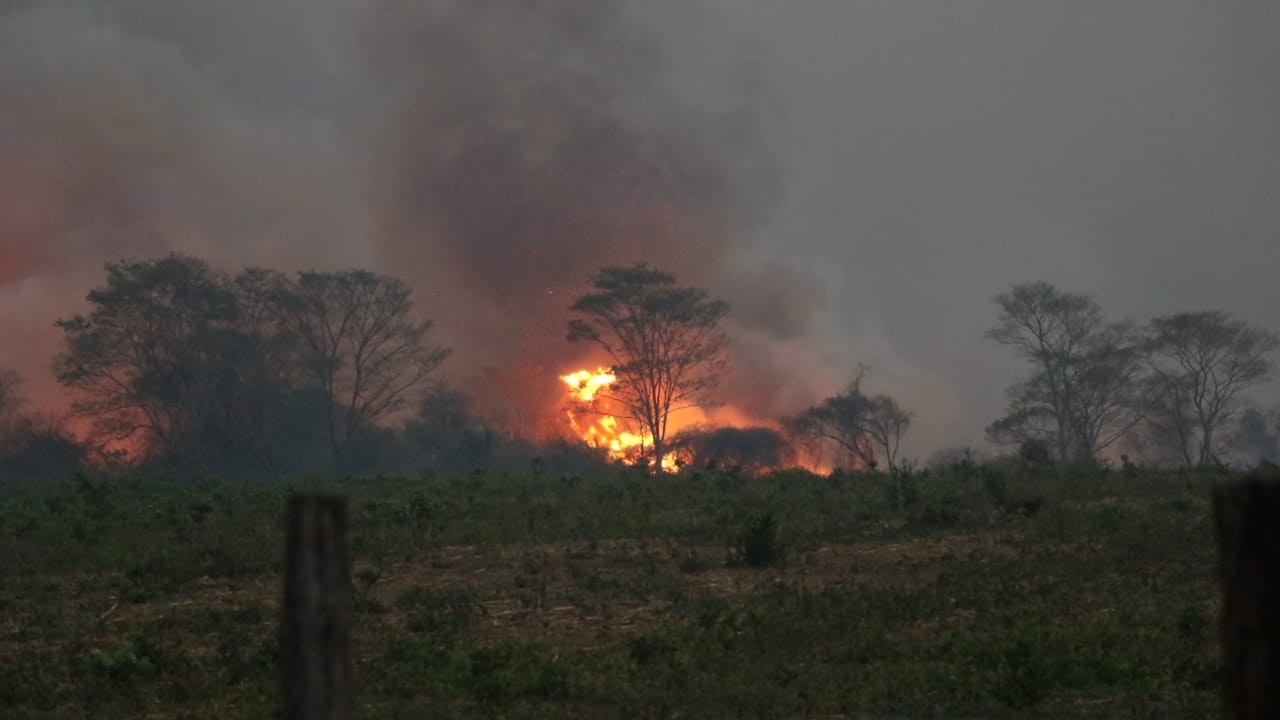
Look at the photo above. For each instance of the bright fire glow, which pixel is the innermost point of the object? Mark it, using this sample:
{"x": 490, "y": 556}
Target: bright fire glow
{"x": 606, "y": 430}
{"x": 595, "y": 418}
{"x": 584, "y": 384}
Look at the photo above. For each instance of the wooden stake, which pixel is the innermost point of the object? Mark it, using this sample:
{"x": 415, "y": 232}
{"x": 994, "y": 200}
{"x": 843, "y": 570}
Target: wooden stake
{"x": 1247, "y": 520}
{"x": 316, "y": 622}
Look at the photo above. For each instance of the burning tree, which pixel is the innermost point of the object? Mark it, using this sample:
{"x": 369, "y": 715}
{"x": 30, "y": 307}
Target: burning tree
{"x": 665, "y": 343}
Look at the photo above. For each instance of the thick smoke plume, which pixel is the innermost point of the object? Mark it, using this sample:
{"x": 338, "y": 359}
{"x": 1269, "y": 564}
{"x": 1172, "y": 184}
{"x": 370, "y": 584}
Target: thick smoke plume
{"x": 493, "y": 153}
{"x": 525, "y": 145}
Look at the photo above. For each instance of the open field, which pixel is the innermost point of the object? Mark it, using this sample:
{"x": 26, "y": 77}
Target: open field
{"x": 970, "y": 593}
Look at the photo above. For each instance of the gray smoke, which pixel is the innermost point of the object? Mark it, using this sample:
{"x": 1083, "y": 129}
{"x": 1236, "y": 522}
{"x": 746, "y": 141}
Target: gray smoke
{"x": 857, "y": 178}
{"x": 494, "y": 153}
{"x": 521, "y": 145}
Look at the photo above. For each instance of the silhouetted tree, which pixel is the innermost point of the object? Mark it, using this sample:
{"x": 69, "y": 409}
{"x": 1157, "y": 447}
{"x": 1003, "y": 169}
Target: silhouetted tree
{"x": 869, "y": 429}
{"x": 38, "y": 446}
{"x": 360, "y": 344}
{"x": 445, "y": 435}
{"x": 1081, "y": 395}
{"x": 32, "y": 445}
{"x": 150, "y": 360}
{"x": 886, "y": 422}
{"x": 1199, "y": 364}
{"x": 665, "y": 343}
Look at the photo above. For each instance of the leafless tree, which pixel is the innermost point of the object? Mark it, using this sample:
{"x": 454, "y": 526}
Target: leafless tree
{"x": 868, "y": 429}
{"x": 360, "y": 345}
{"x": 1199, "y": 364}
{"x": 665, "y": 343}
{"x": 886, "y": 422}
{"x": 1079, "y": 398}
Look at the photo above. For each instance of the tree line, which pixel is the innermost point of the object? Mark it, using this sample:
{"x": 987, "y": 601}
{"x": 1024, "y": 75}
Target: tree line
{"x": 1172, "y": 391}
{"x": 202, "y": 370}
{"x": 179, "y": 367}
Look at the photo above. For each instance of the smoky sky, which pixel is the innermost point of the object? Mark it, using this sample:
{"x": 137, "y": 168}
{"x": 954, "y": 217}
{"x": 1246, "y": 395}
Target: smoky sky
{"x": 856, "y": 178}
{"x": 941, "y": 151}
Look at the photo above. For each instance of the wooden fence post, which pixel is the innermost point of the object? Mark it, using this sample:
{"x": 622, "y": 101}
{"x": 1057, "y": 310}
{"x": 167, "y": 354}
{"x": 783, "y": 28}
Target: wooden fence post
{"x": 1247, "y": 521}
{"x": 316, "y": 616}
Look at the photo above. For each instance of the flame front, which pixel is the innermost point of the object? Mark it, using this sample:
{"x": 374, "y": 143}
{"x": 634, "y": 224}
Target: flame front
{"x": 607, "y": 430}
{"x": 584, "y": 384}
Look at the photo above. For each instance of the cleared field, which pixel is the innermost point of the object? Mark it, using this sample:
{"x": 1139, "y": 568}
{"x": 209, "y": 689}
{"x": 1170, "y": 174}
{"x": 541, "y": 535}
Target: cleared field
{"x": 973, "y": 592}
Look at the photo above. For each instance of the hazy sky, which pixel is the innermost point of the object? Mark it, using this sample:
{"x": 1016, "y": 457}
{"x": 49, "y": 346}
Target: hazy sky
{"x": 859, "y": 178}
{"x": 940, "y": 151}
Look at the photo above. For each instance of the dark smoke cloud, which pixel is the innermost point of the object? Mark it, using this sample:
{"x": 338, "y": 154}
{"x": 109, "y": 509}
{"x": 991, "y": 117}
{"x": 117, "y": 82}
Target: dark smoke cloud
{"x": 526, "y": 144}
{"x": 773, "y": 298}
{"x": 857, "y": 178}
{"x": 494, "y": 153}
{"x": 126, "y": 129}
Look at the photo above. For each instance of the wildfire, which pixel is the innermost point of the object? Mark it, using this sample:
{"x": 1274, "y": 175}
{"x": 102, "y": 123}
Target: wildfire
{"x": 606, "y": 430}
{"x": 584, "y": 384}
{"x": 595, "y": 417}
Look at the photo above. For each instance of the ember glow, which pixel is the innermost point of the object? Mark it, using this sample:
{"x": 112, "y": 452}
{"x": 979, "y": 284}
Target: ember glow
{"x": 590, "y": 416}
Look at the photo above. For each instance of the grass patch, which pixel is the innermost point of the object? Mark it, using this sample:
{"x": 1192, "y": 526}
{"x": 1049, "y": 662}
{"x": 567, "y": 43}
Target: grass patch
{"x": 974, "y": 592}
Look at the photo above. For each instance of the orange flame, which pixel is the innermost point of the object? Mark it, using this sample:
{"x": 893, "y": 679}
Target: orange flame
{"x": 593, "y": 418}
{"x": 584, "y": 384}
{"x": 606, "y": 431}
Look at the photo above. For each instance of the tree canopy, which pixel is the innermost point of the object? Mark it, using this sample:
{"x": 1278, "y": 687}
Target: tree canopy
{"x": 1199, "y": 364}
{"x": 358, "y": 342}
{"x": 1079, "y": 398}
{"x": 866, "y": 429}
{"x": 204, "y": 370}
{"x": 664, "y": 342}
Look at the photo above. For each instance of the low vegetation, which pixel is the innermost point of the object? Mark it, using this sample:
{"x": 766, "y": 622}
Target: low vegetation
{"x": 963, "y": 592}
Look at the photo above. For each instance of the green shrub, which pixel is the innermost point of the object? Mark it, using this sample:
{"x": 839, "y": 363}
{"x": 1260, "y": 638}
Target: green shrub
{"x": 759, "y": 544}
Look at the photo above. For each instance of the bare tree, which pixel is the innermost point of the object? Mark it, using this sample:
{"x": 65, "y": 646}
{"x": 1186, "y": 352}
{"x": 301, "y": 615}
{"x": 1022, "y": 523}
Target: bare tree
{"x": 665, "y": 343}
{"x": 360, "y": 345}
{"x": 868, "y": 429}
{"x": 1200, "y": 363}
{"x": 1079, "y": 398}
{"x": 1107, "y": 379}
{"x": 886, "y": 423}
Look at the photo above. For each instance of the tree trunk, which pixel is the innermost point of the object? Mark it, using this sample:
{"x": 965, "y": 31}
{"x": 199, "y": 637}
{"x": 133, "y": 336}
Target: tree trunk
{"x": 316, "y": 622}
{"x": 1206, "y": 444}
{"x": 334, "y": 446}
{"x": 1247, "y": 520}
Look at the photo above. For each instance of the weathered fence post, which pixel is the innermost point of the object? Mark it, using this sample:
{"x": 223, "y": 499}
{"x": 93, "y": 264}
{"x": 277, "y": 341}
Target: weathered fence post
{"x": 1247, "y": 520}
{"x": 315, "y": 631}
